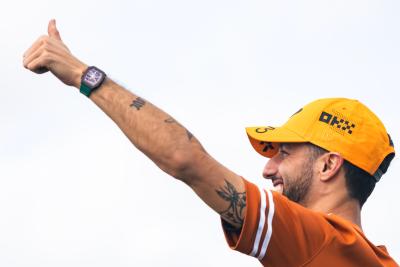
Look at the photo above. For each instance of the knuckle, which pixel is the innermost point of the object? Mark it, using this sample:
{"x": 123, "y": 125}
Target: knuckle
{"x": 44, "y": 53}
{"x": 46, "y": 58}
{"x": 45, "y": 41}
{"x": 43, "y": 38}
{"x": 29, "y": 66}
{"x": 45, "y": 46}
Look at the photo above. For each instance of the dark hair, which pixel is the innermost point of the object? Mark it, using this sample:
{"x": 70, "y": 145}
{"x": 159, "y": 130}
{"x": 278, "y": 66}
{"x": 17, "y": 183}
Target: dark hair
{"x": 360, "y": 183}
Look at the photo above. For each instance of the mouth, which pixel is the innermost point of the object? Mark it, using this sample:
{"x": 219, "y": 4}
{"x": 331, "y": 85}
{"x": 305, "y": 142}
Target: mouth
{"x": 278, "y": 184}
{"x": 277, "y": 181}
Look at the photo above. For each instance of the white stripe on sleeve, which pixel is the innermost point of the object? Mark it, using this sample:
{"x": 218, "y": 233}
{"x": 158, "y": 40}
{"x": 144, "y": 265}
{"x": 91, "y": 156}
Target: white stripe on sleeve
{"x": 261, "y": 224}
{"x": 267, "y": 238}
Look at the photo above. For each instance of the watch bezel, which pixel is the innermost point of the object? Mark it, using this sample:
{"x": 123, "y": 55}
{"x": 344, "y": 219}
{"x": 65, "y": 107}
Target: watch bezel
{"x": 98, "y": 83}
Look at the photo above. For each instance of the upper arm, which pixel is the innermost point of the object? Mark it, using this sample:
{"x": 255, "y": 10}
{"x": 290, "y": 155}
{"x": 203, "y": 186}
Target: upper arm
{"x": 277, "y": 230}
{"x": 220, "y": 188}
{"x": 274, "y": 225}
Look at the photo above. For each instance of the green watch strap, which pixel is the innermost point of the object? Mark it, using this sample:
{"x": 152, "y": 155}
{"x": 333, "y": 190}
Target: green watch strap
{"x": 84, "y": 89}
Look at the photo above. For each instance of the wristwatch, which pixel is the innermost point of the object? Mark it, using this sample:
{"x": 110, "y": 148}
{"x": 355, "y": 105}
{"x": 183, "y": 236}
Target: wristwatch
{"x": 92, "y": 79}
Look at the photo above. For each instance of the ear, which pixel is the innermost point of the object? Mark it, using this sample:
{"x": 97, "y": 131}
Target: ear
{"x": 329, "y": 165}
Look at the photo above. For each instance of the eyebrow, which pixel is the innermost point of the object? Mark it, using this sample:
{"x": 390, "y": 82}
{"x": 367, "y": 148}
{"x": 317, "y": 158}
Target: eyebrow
{"x": 285, "y": 146}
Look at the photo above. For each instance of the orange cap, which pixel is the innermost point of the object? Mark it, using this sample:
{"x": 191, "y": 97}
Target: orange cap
{"x": 338, "y": 125}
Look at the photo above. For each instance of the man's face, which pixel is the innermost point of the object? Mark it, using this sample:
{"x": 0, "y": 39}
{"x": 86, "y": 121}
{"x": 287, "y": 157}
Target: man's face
{"x": 291, "y": 171}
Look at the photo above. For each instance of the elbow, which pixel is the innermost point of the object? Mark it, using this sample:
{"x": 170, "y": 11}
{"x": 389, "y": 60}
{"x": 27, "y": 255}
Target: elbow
{"x": 183, "y": 164}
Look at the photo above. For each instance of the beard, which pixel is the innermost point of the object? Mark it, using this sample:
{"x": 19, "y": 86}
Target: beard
{"x": 297, "y": 187}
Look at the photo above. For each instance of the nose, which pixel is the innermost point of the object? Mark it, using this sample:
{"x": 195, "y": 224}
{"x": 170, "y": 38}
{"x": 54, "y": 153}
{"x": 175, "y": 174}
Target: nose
{"x": 271, "y": 168}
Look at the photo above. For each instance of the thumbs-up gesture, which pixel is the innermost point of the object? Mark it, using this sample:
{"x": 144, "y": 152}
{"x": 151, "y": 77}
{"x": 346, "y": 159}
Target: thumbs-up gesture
{"x": 49, "y": 53}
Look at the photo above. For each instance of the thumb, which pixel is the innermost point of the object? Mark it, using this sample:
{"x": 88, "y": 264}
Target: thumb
{"x": 52, "y": 30}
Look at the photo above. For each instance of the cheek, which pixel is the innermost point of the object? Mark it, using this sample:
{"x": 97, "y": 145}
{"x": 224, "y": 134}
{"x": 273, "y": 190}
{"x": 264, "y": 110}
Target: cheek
{"x": 285, "y": 171}
{"x": 289, "y": 171}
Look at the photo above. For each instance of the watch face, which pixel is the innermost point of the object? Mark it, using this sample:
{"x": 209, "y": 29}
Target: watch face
{"x": 93, "y": 77}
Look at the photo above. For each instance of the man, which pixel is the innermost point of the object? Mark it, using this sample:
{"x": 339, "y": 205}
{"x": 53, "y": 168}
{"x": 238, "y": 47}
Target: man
{"x": 324, "y": 164}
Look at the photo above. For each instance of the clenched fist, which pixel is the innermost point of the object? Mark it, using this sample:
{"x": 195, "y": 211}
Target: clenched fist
{"x": 49, "y": 53}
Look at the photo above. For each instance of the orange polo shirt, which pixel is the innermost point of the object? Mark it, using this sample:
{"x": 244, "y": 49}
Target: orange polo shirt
{"x": 281, "y": 233}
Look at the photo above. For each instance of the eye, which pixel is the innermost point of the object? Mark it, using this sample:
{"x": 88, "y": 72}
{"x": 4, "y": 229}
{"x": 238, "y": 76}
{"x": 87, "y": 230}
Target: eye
{"x": 283, "y": 153}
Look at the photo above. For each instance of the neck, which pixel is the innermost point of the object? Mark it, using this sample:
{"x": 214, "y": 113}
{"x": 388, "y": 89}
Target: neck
{"x": 343, "y": 206}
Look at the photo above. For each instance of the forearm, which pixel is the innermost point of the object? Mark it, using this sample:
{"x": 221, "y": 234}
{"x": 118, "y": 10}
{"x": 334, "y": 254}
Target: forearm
{"x": 151, "y": 130}
{"x": 173, "y": 148}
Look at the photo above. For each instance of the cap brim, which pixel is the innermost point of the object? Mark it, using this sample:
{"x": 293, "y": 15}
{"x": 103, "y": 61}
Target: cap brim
{"x": 266, "y": 139}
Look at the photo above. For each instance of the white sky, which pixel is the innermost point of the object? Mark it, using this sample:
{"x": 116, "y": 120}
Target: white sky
{"x": 75, "y": 192}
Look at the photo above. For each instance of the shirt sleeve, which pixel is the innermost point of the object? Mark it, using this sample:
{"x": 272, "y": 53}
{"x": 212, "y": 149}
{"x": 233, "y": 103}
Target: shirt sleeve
{"x": 276, "y": 230}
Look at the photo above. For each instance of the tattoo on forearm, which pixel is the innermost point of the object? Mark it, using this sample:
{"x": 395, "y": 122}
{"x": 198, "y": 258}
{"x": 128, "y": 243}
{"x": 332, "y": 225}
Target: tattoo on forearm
{"x": 189, "y": 134}
{"x": 172, "y": 120}
{"x": 237, "y": 202}
{"x": 138, "y": 103}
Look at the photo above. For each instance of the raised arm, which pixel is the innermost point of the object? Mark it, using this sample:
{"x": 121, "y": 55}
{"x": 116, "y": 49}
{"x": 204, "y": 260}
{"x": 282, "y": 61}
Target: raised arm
{"x": 159, "y": 136}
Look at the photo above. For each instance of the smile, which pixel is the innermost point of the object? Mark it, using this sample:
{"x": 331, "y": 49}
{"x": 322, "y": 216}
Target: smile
{"x": 277, "y": 181}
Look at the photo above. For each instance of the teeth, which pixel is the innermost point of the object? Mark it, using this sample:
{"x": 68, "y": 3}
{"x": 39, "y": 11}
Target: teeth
{"x": 278, "y": 188}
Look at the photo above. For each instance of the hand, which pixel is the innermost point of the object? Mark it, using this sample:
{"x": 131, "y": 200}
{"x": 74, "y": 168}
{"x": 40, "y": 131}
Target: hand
{"x": 49, "y": 53}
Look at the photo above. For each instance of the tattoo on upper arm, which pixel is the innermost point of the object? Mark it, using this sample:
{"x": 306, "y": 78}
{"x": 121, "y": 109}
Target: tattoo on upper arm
{"x": 138, "y": 103}
{"x": 172, "y": 120}
{"x": 237, "y": 202}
